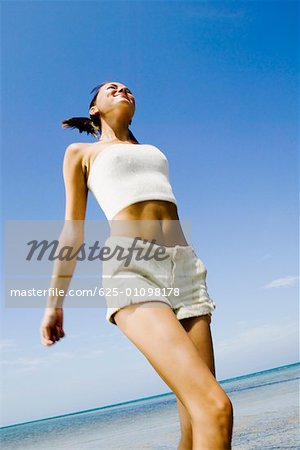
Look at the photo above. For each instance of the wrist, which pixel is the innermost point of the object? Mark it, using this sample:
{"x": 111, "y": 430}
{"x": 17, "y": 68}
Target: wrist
{"x": 52, "y": 305}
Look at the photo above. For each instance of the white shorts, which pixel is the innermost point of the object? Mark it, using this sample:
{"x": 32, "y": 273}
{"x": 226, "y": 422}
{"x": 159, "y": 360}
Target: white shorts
{"x": 173, "y": 275}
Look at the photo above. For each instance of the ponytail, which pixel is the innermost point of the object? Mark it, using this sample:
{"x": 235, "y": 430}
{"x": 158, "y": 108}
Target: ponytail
{"x": 83, "y": 124}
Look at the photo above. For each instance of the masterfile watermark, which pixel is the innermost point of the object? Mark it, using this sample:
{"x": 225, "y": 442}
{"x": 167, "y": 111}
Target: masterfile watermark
{"x": 53, "y": 251}
{"x": 50, "y": 259}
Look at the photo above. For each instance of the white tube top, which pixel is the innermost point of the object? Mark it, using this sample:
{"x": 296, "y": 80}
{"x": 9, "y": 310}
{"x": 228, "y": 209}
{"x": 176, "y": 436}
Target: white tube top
{"x": 123, "y": 174}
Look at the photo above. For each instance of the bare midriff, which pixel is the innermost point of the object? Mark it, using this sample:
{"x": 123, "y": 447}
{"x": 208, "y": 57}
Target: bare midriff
{"x": 151, "y": 220}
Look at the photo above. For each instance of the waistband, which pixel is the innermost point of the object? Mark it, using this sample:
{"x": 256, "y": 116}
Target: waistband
{"x": 127, "y": 241}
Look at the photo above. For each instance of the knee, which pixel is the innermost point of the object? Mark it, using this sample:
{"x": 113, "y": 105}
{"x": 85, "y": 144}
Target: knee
{"x": 222, "y": 407}
{"x": 217, "y": 408}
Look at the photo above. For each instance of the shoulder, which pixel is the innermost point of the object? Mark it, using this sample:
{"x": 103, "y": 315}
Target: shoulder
{"x": 74, "y": 157}
{"x": 75, "y": 151}
{"x": 77, "y": 147}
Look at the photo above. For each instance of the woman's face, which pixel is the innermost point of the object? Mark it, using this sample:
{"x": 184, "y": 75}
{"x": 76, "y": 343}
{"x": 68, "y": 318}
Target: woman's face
{"x": 114, "y": 95}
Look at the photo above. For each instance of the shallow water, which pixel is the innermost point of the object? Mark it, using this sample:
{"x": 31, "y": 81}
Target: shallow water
{"x": 266, "y": 416}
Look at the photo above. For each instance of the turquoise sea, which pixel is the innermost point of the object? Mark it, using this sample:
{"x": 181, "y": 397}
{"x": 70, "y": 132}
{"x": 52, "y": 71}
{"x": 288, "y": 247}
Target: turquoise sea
{"x": 266, "y": 416}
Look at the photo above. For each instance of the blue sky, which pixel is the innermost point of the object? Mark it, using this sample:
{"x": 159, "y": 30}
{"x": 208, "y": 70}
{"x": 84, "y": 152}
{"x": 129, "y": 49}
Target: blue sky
{"x": 216, "y": 89}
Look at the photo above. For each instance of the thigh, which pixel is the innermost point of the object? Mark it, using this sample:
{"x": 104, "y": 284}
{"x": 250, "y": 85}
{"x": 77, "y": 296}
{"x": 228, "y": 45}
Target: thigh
{"x": 158, "y": 334}
{"x": 198, "y": 330}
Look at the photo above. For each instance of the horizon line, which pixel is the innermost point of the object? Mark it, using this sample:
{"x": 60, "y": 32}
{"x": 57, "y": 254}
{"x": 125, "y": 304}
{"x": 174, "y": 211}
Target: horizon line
{"x": 99, "y": 408}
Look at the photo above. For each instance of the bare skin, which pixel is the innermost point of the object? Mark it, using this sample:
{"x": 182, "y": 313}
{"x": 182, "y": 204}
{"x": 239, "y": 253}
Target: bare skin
{"x": 204, "y": 407}
{"x": 170, "y": 345}
{"x": 150, "y": 219}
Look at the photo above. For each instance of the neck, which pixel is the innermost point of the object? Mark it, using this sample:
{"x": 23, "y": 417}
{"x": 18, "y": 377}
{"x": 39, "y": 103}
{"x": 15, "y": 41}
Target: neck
{"x": 113, "y": 129}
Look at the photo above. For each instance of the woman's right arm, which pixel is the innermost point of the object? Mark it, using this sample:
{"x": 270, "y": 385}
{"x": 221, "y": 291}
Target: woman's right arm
{"x": 72, "y": 235}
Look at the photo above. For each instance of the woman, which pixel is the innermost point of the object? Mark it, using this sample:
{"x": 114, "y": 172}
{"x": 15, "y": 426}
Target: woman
{"x": 174, "y": 337}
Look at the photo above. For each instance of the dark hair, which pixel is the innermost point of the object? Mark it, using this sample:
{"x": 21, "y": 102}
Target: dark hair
{"x": 90, "y": 125}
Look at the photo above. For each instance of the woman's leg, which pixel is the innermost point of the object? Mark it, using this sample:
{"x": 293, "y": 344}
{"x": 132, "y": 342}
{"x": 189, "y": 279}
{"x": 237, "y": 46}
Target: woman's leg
{"x": 154, "y": 329}
{"x": 198, "y": 329}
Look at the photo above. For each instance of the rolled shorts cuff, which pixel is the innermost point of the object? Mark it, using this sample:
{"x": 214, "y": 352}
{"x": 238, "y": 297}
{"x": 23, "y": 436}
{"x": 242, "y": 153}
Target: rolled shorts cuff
{"x": 195, "y": 310}
{"x": 133, "y": 301}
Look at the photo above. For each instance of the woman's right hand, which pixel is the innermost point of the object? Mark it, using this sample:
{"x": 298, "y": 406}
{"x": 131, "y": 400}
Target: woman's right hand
{"x": 52, "y": 326}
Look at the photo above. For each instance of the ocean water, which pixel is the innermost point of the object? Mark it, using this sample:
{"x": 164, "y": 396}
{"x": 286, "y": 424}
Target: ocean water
{"x": 266, "y": 416}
